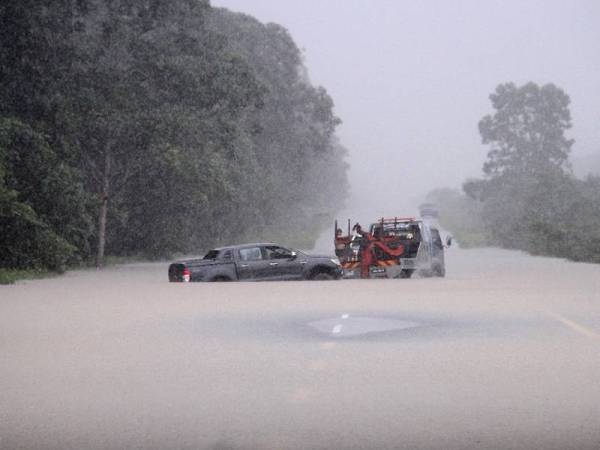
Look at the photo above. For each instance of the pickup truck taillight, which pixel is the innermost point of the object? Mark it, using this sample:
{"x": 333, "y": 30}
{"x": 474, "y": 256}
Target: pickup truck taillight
{"x": 186, "y": 276}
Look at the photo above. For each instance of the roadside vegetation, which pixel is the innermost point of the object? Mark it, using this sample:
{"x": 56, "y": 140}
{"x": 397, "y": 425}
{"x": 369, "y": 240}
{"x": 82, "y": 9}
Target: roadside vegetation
{"x": 528, "y": 198}
{"x": 10, "y": 276}
{"x": 137, "y": 128}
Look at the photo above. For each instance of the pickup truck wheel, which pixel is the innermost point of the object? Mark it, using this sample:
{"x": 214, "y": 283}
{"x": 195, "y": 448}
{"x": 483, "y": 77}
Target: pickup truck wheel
{"x": 439, "y": 271}
{"x": 322, "y": 276}
{"x": 220, "y": 279}
{"x": 406, "y": 273}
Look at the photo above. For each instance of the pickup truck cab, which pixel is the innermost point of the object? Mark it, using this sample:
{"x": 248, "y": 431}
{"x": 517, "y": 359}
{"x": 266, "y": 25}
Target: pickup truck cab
{"x": 255, "y": 262}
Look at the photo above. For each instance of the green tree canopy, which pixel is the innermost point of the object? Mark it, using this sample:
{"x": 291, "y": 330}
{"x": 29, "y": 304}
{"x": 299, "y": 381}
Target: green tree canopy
{"x": 43, "y": 220}
{"x": 153, "y": 127}
{"x": 530, "y": 199}
{"x": 526, "y": 133}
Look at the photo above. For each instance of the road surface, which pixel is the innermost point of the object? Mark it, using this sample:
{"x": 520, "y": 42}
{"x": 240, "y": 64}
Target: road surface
{"x": 502, "y": 354}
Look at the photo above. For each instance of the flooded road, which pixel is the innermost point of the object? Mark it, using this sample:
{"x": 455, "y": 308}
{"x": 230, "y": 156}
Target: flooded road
{"x": 502, "y": 353}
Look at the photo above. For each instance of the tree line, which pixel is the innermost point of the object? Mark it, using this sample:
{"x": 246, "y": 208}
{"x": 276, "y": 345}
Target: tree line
{"x": 147, "y": 127}
{"x": 528, "y": 198}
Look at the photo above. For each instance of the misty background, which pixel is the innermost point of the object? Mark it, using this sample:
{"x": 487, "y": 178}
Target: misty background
{"x": 135, "y": 129}
{"x": 411, "y": 80}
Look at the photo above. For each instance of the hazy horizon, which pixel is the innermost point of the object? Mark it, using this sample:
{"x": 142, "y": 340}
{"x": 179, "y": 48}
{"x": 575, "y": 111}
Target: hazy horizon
{"x": 411, "y": 80}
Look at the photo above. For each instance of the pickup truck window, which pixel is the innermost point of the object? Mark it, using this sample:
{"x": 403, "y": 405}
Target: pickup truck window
{"x": 274, "y": 252}
{"x": 213, "y": 254}
{"x": 250, "y": 254}
{"x": 227, "y": 254}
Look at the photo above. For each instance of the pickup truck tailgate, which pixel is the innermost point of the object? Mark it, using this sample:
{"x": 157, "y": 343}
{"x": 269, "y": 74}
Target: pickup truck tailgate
{"x": 179, "y": 272}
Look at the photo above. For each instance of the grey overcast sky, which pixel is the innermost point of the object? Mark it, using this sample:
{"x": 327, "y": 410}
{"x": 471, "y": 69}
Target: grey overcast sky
{"x": 411, "y": 79}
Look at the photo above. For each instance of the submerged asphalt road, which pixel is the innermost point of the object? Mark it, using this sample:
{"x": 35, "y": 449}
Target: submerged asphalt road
{"x": 502, "y": 354}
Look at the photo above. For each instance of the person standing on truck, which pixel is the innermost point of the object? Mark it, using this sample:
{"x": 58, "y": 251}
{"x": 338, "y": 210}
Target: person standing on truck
{"x": 358, "y": 230}
{"x": 364, "y": 239}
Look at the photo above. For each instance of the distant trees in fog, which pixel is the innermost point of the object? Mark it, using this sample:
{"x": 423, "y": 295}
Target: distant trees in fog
{"x": 529, "y": 198}
{"x": 149, "y": 128}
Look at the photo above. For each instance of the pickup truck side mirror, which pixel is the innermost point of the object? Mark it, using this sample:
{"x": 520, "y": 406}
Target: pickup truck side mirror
{"x": 448, "y": 241}
{"x": 293, "y": 255}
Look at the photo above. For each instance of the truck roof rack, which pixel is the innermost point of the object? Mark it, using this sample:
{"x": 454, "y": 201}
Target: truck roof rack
{"x": 397, "y": 219}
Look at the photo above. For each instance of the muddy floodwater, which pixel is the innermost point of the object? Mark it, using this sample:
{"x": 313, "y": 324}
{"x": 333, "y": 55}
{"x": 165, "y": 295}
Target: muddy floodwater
{"x": 502, "y": 353}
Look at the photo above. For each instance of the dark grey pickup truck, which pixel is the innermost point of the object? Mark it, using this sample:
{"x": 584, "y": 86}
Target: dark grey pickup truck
{"x": 255, "y": 262}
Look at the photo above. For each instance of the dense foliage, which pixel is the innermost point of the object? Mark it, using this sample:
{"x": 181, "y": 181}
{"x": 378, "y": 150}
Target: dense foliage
{"x": 145, "y": 127}
{"x": 529, "y": 198}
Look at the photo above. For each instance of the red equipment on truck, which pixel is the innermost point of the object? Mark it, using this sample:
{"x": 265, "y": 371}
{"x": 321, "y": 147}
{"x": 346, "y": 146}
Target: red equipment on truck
{"x": 392, "y": 248}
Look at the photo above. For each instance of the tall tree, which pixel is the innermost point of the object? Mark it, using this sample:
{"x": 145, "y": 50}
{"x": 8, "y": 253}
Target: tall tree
{"x": 529, "y": 198}
{"x": 152, "y": 77}
{"x": 303, "y": 168}
{"x": 526, "y": 133}
{"x": 527, "y": 172}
